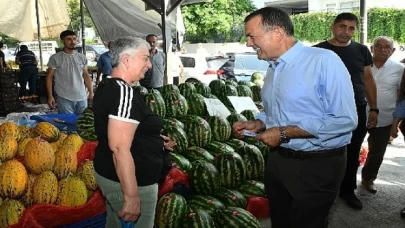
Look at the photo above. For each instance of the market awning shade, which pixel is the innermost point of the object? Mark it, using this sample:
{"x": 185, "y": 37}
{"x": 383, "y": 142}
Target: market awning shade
{"x": 18, "y": 18}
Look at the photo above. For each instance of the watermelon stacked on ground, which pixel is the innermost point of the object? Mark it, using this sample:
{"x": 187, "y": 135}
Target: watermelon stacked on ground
{"x": 234, "y": 117}
{"x": 252, "y": 188}
{"x": 85, "y": 125}
{"x": 169, "y": 88}
{"x": 176, "y": 104}
{"x": 140, "y": 90}
{"x": 227, "y": 90}
{"x": 250, "y": 114}
{"x": 220, "y": 128}
{"x": 216, "y": 148}
{"x": 198, "y": 219}
{"x": 244, "y": 91}
{"x": 198, "y": 132}
{"x": 204, "y": 202}
{"x": 254, "y": 162}
{"x": 170, "y": 211}
{"x": 196, "y": 105}
{"x": 180, "y": 162}
{"x": 245, "y": 83}
{"x": 203, "y": 89}
{"x": 233, "y": 217}
{"x": 172, "y": 122}
{"x": 194, "y": 153}
{"x": 217, "y": 86}
{"x": 186, "y": 89}
{"x": 177, "y": 135}
{"x": 231, "y": 82}
{"x": 231, "y": 198}
{"x": 256, "y": 93}
{"x": 205, "y": 178}
{"x": 231, "y": 168}
{"x": 156, "y": 103}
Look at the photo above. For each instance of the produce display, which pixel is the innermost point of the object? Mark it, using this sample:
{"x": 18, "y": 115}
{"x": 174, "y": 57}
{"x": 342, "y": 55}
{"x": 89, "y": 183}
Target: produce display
{"x": 39, "y": 166}
{"x": 223, "y": 171}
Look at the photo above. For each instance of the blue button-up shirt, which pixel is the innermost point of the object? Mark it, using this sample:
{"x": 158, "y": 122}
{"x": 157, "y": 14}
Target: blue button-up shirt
{"x": 310, "y": 88}
{"x": 104, "y": 62}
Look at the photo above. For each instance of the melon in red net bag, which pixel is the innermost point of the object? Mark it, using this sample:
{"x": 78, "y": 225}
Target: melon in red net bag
{"x": 258, "y": 206}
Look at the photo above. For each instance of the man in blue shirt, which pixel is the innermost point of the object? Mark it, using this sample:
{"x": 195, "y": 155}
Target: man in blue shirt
{"x": 104, "y": 64}
{"x": 309, "y": 117}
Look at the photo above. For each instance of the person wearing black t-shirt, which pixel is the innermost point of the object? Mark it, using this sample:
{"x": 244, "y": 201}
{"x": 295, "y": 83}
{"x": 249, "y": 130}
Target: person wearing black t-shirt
{"x": 129, "y": 156}
{"x": 358, "y": 60}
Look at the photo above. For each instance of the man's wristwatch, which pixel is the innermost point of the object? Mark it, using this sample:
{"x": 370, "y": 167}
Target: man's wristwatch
{"x": 283, "y": 135}
{"x": 374, "y": 110}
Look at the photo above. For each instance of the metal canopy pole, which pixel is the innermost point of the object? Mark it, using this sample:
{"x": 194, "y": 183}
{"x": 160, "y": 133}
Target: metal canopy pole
{"x": 39, "y": 34}
{"x": 363, "y": 22}
{"x": 164, "y": 44}
{"x": 82, "y": 24}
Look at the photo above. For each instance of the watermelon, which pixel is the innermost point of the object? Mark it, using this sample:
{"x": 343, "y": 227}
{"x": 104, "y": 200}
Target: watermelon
{"x": 252, "y": 188}
{"x": 231, "y": 198}
{"x": 217, "y": 86}
{"x": 186, "y": 89}
{"x": 265, "y": 150}
{"x": 177, "y": 135}
{"x": 231, "y": 82}
{"x": 259, "y": 83}
{"x": 176, "y": 104}
{"x": 172, "y": 122}
{"x": 245, "y": 83}
{"x": 170, "y": 211}
{"x": 203, "y": 89}
{"x": 198, "y": 219}
{"x": 140, "y": 90}
{"x": 204, "y": 177}
{"x": 253, "y": 141}
{"x": 244, "y": 91}
{"x": 233, "y": 217}
{"x": 250, "y": 114}
{"x": 198, "y": 132}
{"x": 188, "y": 119}
{"x": 196, "y": 105}
{"x": 234, "y": 117}
{"x": 254, "y": 162}
{"x": 215, "y": 148}
{"x": 231, "y": 167}
{"x": 156, "y": 103}
{"x": 85, "y": 125}
{"x": 170, "y": 88}
{"x": 195, "y": 153}
{"x": 89, "y": 134}
{"x": 154, "y": 91}
{"x": 256, "y": 93}
{"x": 180, "y": 162}
{"x": 212, "y": 96}
{"x": 235, "y": 143}
{"x": 220, "y": 128}
{"x": 257, "y": 76}
{"x": 226, "y": 91}
{"x": 206, "y": 203}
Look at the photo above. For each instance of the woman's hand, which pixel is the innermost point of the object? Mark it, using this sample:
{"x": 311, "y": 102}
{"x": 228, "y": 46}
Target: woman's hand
{"x": 168, "y": 145}
{"x": 131, "y": 209}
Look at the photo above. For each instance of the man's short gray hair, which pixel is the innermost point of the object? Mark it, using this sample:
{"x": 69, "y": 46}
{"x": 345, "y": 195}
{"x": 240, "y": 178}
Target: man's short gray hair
{"x": 126, "y": 45}
{"x": 384, "y": 37}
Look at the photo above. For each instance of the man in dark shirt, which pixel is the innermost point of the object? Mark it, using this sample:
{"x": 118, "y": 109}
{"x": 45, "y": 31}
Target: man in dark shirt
{"x": 28, "y": 71}
{"x": 3, "y": 64}
{"x": 358, "y": 60}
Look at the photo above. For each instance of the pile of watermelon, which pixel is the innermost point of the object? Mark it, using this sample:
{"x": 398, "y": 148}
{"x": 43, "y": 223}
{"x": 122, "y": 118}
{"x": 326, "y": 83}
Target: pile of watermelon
{"x": 223, "y": 171}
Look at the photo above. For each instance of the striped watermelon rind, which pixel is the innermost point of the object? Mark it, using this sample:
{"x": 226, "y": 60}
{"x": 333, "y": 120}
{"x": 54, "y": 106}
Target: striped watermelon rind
{"x": 177, "y": 135}
{"x": 180, "y": 162}
{"x": 170, "y": 210}
{"x": 207, "y": 203}
{"x": 220, "y": 127}
{"x": 233, "y": 217}
{"x": 254, "y": 162}
{"x": 204, "y": 177}
{"x": 195, "y": 153}
{"x": 216, "y": 147}
{"x": 176, "y": 104}
{"x": 198, "y": 219}
{"x": 231, "y": 198}
{"x": 231, "y": 168}
{"x": 252, "y": 188}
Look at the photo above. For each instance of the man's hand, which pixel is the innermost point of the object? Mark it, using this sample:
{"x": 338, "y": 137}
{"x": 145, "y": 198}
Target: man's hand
{"x": 252, "y": 126}
{"x": 51, "y": 102}
{"x": 394, "y": 131}
{"x": 270, "y": 137}
{"x": 131, "y": 209}
{"x": 90, "y": 99}
{"x": 372, "y": 120}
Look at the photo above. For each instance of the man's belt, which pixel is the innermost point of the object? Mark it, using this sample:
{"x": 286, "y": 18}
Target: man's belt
{"x": 296, "y": 154}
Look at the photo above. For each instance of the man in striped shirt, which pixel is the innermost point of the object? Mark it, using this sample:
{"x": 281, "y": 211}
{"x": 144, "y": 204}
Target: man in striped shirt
{"x": 28, "y": 71}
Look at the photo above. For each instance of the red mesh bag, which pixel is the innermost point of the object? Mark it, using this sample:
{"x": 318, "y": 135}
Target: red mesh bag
{"x": 50, "y": 215}
{"x": 173, "y": 177}
{"x": 258, "y": 206}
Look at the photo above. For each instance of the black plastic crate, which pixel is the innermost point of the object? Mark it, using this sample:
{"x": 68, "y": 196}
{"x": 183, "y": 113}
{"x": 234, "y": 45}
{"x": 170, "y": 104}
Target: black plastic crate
{"x": 9, "y": 93}
{"x": 8, "y": 77}
{"x": 7, "y": 107}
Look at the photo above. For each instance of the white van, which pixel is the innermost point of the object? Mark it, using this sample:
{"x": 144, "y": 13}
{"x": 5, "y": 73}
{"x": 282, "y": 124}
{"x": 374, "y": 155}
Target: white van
{"x": 48, "y": 49}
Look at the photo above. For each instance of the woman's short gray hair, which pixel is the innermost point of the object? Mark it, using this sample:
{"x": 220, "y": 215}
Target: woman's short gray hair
{"x": 125, "y": 45}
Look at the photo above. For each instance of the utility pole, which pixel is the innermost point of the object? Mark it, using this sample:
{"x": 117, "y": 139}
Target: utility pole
{"x": 363, "y": 22}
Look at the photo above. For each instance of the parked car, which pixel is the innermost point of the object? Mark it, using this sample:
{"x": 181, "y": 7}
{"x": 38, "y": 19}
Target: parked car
{"x": 93, "y": 51}
{"x": 241, "y": 66}
{"x": 198, "y": 68}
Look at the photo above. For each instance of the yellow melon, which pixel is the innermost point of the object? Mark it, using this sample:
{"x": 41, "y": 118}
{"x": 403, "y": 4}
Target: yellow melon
{"x": 65, "y": 163}
{"x": 8, "y": 129}
{"x": 13, "y": 179}
{"x": 21, "y": 146}
{"x": 26, "y": 199}
{"x": 57, "y": 144}
{"x": 73, "y": 140}
{"x": 45, "y": 188}
{"x": 8, "y": 148}
{"x": 47, "y": 131}
{"x": 23, "y": 132}
{"x": 72, "y": 192}
{"x": 86, "y": 173}
{"x": 39, "y": 155}
{"x": 10, "y": 212}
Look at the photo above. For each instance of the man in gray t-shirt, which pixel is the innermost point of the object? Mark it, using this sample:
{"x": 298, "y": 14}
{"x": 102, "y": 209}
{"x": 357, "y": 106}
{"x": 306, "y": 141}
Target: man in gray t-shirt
{"x": 154, "y": 76}
{"x": 69, "y": 69}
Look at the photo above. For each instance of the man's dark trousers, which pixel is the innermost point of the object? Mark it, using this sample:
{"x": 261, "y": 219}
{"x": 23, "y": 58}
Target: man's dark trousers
{"x": 302, "y": 191}
{"x": 349, "y": 183}
{"x": 29, "y": 75}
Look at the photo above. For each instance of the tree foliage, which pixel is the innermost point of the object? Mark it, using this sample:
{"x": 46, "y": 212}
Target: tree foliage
{"x": 216, "y": 21}
{"x": 315, "y": 27}
{"x": 74, "y": 14}
{"x": 9, "y": 41}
